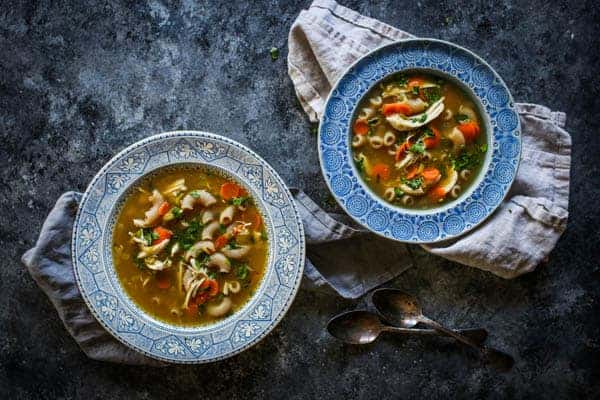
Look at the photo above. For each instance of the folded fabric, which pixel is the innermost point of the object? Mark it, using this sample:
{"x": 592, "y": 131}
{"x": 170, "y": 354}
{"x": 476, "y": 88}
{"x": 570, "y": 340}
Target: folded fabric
{"x": 323, "y": 42}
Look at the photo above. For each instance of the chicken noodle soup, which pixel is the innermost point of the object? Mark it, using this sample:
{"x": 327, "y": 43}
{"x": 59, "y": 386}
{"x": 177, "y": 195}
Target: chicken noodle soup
{"x": 417, "y": 140}
{"x": 189, "y": 246}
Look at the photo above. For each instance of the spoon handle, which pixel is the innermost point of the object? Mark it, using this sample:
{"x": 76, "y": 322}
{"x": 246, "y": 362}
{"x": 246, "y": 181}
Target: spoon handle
{"x": 462, "y": 338}
{"x": 478, "y": 335}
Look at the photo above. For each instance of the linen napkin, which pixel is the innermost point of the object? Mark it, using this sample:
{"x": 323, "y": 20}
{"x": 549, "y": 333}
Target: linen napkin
{"x": 325, "y": 39}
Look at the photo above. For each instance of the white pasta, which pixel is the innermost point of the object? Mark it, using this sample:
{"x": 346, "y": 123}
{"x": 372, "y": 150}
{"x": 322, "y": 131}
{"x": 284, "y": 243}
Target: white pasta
{"x": 209, "y": 231}
{"x": 152, "y": 214}
{"x": 237, "y": 252}
{"x": 366, "y": 112}
{"x": 448, "y": 114}
{"x": 231, "y": 287}
{"x": 455, "y": 191}
{"x": 407, "y": 200}
{"x": 465, "y": 174}
{"x": 375, "y": 101}
{"x": 207, "y": 217}
{"x": 389, "y": 138}
{"x": 376, "y": 142}
{"x": 219, "y": 261}
{"x": 203, "y": 246}
{"x": 468, "y": 111}
{"x": 389, "y": 194}
{"x": 358, "y": 140}
{"x": 227, "y": 215}
{"x": 220, "y": 309}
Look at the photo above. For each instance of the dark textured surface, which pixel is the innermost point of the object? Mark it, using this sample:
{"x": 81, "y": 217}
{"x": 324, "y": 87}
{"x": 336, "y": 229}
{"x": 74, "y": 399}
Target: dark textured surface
{"x": 80, "y": 81}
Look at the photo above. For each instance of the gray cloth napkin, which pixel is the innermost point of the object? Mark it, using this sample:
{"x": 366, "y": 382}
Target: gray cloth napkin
{"x": 325, "y": 39}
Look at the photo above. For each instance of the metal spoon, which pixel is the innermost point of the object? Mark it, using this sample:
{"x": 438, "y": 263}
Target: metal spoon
{"x": 361, "y": 327}
{"x": 402, "y": 309}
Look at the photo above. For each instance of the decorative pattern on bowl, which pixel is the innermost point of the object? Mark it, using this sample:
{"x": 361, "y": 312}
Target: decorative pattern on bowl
{"x": 455, "y": 218}
{"x": 104, "y": 295}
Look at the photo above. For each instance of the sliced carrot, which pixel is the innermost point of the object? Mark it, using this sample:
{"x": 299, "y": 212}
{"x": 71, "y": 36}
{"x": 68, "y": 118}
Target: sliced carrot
{"x": 257, "y": 221}
{"x": 212, "y": 286}
{"x": 163, "y": 234}
{"x": 412, "y": 172}
{"x": 401, "y": 151}
{"x": 164, "y": 208}
{"x": 431, "y": 142}
{"x": 415, "y": 81}
{"x": 382, "y": 171}
{"x": 470, "y": 130}
{"x": 192, "y": 309}
{"x": 221, "y": 241}
{"x": 437, "y": 193}
{"x": 163, "y": 281}
{"x": 229, "y": 190}
{"x": 430, "y": 174}
{"x": 361, "y": 127}
{"x": 395, "y": 108}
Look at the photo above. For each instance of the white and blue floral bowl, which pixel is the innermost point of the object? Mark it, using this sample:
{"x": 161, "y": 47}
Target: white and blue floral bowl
{"x": 492, "y": 97}
{"x": 102, "y": 291}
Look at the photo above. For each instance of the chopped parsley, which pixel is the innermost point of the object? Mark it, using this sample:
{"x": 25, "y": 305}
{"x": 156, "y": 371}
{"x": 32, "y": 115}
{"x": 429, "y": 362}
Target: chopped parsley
{"x": 483, "y": 148}
{"x": 423, "y": 118}
{"x": 465, "y": 160}
{"x": 147, "y": 235}
{"x": 432, "y": 94}
{"x": 414, "y": 183}
{"x": 187, "y": 237}
{"x": 418, "y": 147}
{"x": 274, "y": 53}
{"x": 415, "y": 90}
{"x": 222, "y": 228}
{"x": 195, "y": 193}
{"x": 233, "y": 244}
{"x": 360, "y": 164}
{"x": 461, "y": 118}
{"x": 428, "y": 132}
{"x": 398, "y": 192}
{"x": 242, "y": 271}
{"x": 402, "y": 80}
{"x": 239, "y": 201}
{"x": 177, "y": 212}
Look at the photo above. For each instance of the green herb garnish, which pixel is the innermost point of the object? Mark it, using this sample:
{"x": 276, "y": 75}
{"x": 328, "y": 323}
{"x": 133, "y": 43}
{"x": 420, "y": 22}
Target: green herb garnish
{"x": 418, "y": 147}
{"x": 465, "y": 160}
{"x": 242, "y": 271}
{"x": 398, "y": 192}
{"x": 483, "y": 148}
{"x": 360, "y": 164}
{"x": 274, "y": 53}
{"x": 428, "y": 132}
{"x": 415, "y": 90}
{"x": 423, "y": 118}
{"x": 240, "y": 201}
{"x": 414, "y": 183}
{"x": 188, "y": 236}
{"x": 461, "y": 118}
{"x": 402, "y": 80}
{"x": 432, "y": 94}
{"x": 195, "y": 193}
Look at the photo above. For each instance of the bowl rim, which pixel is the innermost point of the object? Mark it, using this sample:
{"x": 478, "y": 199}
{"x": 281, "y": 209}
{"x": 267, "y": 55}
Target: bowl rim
{"x": 399, "y": 211}
{"x": 271, "y": 259}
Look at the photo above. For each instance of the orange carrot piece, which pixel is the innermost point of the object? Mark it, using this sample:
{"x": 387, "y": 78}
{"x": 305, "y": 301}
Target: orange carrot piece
{"x": 164, "y": 208}
{"x": 430, "y": 174}
{"x": 257, "y": 221}
{"x": 229, "y": 190}
{"x": 437, "y": 193}
{"x": 401, "y": 151}
{"x": 412, "y": 172}
{"x": 415, "y": 81}
{"x": 382, "y": 171}
{"x": 361, "y": 127}
{"x": 431, "y": 142}
{"x": 212, "y": 286}
{"x": 221, "y": 241}
{"x": 395, "y": 108}
{"x": 163, "y": 234}
{"x": 470, "y": 130}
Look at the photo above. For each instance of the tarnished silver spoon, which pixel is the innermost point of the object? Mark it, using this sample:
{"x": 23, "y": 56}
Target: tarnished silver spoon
{"x": 401, "y": 309}
{"x": 362, "y": 327}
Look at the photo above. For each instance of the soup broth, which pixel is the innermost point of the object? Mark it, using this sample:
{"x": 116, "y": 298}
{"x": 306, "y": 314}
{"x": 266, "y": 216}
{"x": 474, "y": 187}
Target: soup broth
{"x": 418, "y": 141}
{"x": 189, "y": 246}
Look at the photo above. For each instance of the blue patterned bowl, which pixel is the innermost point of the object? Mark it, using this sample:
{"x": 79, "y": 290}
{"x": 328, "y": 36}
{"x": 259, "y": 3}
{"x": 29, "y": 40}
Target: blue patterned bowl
{"x": 102, "y": 291}
{"x": 452, "y": 219}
